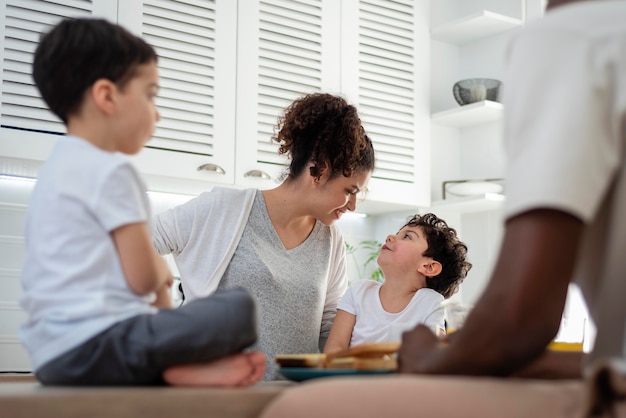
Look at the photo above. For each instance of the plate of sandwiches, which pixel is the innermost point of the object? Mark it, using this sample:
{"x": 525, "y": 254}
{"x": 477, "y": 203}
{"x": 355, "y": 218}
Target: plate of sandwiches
{"x": 362, "y": 359}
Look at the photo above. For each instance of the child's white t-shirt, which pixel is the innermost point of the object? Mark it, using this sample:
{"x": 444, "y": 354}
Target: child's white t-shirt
{"x": 374, "y": 324}
{"x": 73, "y": 284}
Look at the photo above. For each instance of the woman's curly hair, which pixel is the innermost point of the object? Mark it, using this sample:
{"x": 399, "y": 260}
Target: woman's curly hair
{"x": 445, "y": 247}
{"x": 324, "y": 129}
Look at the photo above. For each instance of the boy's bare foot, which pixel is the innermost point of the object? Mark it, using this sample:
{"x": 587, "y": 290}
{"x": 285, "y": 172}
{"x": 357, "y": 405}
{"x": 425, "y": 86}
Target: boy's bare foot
{"x": 237, "y": 370}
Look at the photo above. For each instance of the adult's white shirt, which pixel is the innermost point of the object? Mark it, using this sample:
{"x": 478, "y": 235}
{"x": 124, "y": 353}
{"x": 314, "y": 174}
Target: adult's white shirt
{"x": 565, "y": 133}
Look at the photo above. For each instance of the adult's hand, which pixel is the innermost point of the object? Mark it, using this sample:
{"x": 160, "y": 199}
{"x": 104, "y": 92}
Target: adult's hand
{"x": 520, "y": 310}
{"x": 418, "y": 346}
{"x": 554, "y": 365}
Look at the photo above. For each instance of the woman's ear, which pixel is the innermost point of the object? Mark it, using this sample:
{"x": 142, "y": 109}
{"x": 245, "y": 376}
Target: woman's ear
{"x": 318, "y": 172}
{"x": 430, "y": 268}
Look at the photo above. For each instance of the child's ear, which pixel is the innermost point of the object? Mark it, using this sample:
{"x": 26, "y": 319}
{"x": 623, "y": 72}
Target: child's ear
{"x": 103, "y": 95}
{"x": 431, "y": 268}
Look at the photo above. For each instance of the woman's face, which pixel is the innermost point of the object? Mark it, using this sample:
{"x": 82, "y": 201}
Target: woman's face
{"x": 332, "y": 198}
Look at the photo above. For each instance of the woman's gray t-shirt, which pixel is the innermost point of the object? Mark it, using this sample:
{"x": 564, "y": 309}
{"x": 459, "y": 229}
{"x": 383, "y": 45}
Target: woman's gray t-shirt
{"x": 289, "y": 286}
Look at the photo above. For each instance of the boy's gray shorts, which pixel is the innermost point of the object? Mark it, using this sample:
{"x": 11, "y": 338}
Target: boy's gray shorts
{"x": 136, "y": 351}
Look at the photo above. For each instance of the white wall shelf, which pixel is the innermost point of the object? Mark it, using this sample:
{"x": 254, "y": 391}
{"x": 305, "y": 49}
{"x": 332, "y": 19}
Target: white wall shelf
{"x": 469, "y": 115}
{"x": 472, "y": 27}
{"x": 484, "y": 202}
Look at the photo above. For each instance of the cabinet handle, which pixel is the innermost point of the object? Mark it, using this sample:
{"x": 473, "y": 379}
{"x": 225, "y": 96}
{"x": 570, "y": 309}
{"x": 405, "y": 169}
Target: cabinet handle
{"x": 212, "y": 167}
{"x": 258, "y": 173}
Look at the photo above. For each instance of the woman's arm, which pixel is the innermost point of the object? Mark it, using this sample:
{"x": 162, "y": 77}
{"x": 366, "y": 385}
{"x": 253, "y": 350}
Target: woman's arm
{"x": 341, "y": 332}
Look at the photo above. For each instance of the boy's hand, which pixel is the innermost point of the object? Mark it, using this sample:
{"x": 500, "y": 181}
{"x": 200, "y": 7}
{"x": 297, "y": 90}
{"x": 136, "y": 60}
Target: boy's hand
{"x": 163, "y": 297}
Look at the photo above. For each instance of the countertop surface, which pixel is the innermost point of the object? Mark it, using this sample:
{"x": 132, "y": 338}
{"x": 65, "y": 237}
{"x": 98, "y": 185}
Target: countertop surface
{"x": 23, "y": 396}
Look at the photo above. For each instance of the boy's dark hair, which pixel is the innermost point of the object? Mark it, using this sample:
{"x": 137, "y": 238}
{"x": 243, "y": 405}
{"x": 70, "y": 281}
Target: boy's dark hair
{"x": 324, "y": 129}
{"x": 445, "y": 247}
{"x": 78, "y": 52}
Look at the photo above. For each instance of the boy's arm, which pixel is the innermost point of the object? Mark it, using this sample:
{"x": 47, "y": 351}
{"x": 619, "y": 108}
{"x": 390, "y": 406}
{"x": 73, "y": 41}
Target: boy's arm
{"x": 163, "y": 297}
{"x": 341, "y": 332}
{"x": 145, "y": 271}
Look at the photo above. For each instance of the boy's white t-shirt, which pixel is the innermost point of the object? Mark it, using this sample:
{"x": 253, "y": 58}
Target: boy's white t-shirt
{"x": 73, "y": 284}
{"x": 374, "y": 324}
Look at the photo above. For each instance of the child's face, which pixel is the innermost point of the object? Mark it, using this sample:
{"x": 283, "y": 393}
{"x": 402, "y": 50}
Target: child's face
{"x": 137, "y": 113}
{"x": 403, "y": 252}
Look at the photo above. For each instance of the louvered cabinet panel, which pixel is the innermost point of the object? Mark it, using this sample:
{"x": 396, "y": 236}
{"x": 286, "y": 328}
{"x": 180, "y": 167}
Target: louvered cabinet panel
{"x": 387, "y": 77}
{"x": 22, "y": 107}
{"x": 196, "y": 42}
{"x": 369, "y": 52}
{"x": 283, "y": 56}
{"x": 228, "y": 70}
{"x": 28, "y": 130}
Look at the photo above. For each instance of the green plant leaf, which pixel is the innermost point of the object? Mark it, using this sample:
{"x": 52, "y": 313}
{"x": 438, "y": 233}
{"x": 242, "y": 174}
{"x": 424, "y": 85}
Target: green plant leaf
{"x": 372, "y": 248}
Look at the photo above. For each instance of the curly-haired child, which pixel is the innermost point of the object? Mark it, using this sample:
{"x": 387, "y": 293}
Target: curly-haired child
{"x": 423, "y": 264}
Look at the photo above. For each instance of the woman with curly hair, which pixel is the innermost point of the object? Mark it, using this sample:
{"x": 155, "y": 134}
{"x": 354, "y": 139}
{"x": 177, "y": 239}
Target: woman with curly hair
{"x": 423, "y": 264}
{"x": 280, "y": 244}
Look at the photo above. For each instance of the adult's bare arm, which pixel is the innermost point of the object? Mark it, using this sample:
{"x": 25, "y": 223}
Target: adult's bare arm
{"x": 520, "y": 310}
{"x": 554, "y": 365}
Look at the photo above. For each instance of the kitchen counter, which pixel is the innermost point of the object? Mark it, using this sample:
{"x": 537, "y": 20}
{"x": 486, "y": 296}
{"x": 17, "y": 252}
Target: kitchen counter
{"x": 23, "y": 396}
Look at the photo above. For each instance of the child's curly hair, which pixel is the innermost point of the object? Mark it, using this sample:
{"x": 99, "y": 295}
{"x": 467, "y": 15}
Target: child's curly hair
{"x": 445, "y": 247}
{"x": 324, "y": 129}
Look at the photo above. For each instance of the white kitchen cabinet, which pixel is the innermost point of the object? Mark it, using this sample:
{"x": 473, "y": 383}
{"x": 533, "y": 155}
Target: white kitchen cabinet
{"x": 228, "y": 69}
{"x": 27, "y": 128}
{"x": 370, "y": 52}
{"x": 196, "y": 44}
{"x": 196, "y": 65}
{"x": 384, "y": 51}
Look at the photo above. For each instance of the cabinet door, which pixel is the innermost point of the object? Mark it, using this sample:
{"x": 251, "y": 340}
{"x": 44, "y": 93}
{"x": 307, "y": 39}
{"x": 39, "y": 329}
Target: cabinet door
{"x": 28, "y": 129}
{"x": 191, "y": 38}
{"x": 385, "y": 55}
{"x": 286, "y": 49}
{"x": 196, "y": 41}
{"x": 367, "y": 51}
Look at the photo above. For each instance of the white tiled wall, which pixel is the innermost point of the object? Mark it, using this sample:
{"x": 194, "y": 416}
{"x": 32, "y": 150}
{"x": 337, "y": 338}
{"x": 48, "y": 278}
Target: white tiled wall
{"x": 14, "y": 197}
